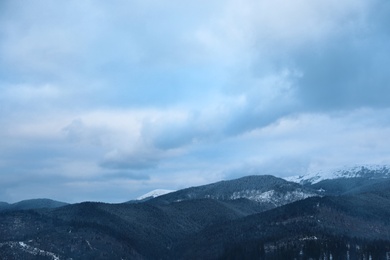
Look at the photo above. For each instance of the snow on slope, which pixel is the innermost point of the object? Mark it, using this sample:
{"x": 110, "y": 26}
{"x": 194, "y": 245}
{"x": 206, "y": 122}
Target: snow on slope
{"x": 366, "y": 171}
{"x": 272, "y": 196}
{"x": 36, "y": 252}
{"x": 155, "y": 193}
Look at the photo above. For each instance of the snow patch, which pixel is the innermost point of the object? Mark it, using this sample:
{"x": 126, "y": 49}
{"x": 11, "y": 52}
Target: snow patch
{"x": 308, "y": 238}
{"x": 155, "y": 193}
{"x": 272, "y": 196}
{"x": 30, "y": 249}
{"x": 366, "y": 171}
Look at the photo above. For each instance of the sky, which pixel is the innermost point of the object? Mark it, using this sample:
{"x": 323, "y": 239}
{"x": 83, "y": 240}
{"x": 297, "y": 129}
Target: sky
{"x": 107, "y": 100}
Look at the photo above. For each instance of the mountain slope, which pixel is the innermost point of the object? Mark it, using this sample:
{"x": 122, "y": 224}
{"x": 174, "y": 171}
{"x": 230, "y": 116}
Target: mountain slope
{"x": 309, "y": 226}
{"x": 345, "y": 185}
{"x": 265, "y": 189}
{"x": 114, "y": 231}
{"x": 3, "y": 205}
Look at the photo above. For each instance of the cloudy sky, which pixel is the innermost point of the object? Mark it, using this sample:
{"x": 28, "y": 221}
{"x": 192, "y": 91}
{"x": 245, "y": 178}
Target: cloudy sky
{"x": 107, "y": 100}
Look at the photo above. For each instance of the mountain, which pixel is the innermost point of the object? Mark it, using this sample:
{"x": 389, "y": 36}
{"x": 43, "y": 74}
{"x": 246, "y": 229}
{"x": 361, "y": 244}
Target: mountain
{"x": 263, "y": 189}
{"x": 32, "y": 204}
{"x": 254, "y": 217}
{"x": 154, "y": 193}
{"x": 368, "y": 172}
{"x": 149, "y": 229}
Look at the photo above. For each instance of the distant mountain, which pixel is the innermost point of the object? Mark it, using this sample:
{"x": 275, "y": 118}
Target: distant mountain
{"x": 154, "y": 194}
{"x": 344, "y": 186}
{"x": 264, "y": 189}
{"x": 368, "y": 172}
{"x": 32, "y": 204}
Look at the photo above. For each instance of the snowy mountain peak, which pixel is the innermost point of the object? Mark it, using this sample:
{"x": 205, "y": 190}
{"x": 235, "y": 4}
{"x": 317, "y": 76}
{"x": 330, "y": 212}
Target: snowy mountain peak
{"x": 366, "y": 171}
{"x": 154, "y": 194}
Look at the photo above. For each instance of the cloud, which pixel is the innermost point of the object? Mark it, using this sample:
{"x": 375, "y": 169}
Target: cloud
{"x": 126, "y": 175}
{"x": 174, "y": 94}
{"x": 126, "y": 160}
{"x": 345, "y": 73}
{"x": 339, "y": 49}
{"x": 77, "y": 131}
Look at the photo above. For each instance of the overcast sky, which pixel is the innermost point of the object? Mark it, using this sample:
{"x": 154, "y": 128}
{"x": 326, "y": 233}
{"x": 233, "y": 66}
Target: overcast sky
{"x": 107, "y": 100}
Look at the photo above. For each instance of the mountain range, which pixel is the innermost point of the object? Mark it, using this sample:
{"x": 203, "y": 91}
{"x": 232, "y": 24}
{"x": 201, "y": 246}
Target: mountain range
{"x": 31, "y": 204}
{"x": 255, "y": 217}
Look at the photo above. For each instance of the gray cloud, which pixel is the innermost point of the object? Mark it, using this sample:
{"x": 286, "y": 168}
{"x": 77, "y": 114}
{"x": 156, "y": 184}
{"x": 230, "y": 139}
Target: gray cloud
{"x": 282, "y": 167}
{"x": 126, "y": 175}
{"x": 345, "y": 73}
{"x": 78, "y": 132}
{"x": 136, "y": 160}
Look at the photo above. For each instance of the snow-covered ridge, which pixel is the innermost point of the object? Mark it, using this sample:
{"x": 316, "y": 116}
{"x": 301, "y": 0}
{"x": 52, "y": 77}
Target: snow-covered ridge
{"x": 30, "y": 249}
{"x": 155, "y": 193}
{"x": 274, "y": 197}
{"x": 366, "y": 171}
